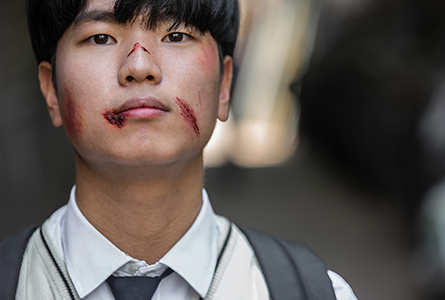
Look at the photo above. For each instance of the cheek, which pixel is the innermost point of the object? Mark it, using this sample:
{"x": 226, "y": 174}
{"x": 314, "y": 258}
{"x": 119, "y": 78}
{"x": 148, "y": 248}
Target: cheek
{"x": 208, "y": 56}
{"x": 70, "y": 114}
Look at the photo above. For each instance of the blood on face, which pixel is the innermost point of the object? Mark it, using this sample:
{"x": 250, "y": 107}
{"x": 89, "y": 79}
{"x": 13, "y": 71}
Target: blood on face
{"x": 115, "y": 119}
{"x": 189, "y": 114}
{"x": 136, "y": 46}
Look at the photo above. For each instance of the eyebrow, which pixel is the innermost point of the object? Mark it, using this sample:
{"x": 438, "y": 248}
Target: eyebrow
{"x": 94, "y": 16}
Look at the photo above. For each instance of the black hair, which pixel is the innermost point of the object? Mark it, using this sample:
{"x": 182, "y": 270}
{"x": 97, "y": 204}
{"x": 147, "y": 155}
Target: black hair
{"x": 48, "y": 20}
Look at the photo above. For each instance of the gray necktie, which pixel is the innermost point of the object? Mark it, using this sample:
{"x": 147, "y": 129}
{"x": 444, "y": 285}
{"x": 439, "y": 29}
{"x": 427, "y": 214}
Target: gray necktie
{"x": 135, "y": 287}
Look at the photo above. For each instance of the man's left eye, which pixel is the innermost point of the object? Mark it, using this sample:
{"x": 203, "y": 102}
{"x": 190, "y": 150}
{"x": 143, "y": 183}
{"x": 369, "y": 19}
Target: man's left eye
{"x": 102, "y": 39}
{"x": 176, "y": 37}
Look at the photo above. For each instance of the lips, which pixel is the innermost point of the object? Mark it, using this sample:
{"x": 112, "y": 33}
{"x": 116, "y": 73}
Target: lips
{"x": 138, "y": 108}
{"x": 140, "y": 103}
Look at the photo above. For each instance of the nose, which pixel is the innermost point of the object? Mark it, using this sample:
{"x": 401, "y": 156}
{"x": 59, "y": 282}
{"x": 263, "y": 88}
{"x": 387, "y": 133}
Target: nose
{"x": 139, "y": 66}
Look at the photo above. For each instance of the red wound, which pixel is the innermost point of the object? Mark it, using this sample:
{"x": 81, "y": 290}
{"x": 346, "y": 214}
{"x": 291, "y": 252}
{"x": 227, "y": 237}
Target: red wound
{"x": 72, "y": 121}
{"x": 115, "y": 119}
{"x": 189, "y": 114}
{"x": 136, "y": 46}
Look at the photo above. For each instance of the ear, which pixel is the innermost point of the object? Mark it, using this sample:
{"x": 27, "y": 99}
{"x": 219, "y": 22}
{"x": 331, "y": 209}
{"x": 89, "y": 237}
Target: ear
{"x": 49, "y": 92}
{"x": 224, "y": 90}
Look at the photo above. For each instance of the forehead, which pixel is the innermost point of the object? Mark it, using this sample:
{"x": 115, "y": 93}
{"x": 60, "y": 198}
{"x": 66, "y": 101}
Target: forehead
{"x": 149, "y": 13}
{"x": 105, "y": 5}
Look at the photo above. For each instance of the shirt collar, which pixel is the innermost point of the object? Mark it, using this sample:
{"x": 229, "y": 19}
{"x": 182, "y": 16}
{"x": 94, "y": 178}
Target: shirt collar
{"x": 91, "y": 258}
{"x": 194, "y": 256}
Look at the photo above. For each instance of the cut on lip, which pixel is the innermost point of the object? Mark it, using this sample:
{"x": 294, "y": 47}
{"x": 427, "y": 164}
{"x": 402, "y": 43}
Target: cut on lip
{"x": 141, "y": 103}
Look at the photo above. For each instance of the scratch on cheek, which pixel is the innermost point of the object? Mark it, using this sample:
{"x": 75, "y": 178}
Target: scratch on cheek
{"x": 189, "y": 114}
{"x": 199, "y": 97}
{"x": 71, "y": 117}
{"x": 136, "y": 46}
{"x": 115, "y": 119}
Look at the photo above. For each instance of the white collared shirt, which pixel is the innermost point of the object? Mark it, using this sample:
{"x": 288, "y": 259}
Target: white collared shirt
{"x": 90, "y": 259}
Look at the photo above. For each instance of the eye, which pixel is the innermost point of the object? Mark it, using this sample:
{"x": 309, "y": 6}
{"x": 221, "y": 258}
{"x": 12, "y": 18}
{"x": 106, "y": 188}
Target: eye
{"x": 176, "y": 37}
{"x": 101, "y": 39}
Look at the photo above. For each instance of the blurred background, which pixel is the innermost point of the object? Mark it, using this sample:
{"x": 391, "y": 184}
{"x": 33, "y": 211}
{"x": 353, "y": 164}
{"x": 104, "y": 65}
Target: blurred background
{"x": 336, "y": 137}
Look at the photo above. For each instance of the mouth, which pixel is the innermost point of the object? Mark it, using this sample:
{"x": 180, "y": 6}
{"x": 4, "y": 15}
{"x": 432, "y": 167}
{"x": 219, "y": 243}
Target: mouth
{"x": 141, "y": 103}
{"x": 138, "y": 108}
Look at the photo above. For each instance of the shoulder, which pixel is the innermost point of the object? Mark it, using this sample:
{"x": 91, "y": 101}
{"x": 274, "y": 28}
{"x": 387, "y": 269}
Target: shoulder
{"x": 12, "y": 249}
{"x": 290, "y": 268}
{"x": 296, "y": 266}
{"x": 13, "y": 246}
{"x": 342, "y": 289}
{"x": 266, "y": 244}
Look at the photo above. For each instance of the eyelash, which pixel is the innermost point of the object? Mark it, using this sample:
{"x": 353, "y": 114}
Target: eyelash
{"x": 109, "y": 40}
{"x": 184, "y": 36}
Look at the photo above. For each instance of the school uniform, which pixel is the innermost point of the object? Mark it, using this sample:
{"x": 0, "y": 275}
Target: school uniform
{"x": 83, "y": 259}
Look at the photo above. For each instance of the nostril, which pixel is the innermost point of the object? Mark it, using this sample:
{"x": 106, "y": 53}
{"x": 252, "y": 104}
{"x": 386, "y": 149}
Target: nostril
{"x": 129, "y": 78}
{"x": 150, "y": 77}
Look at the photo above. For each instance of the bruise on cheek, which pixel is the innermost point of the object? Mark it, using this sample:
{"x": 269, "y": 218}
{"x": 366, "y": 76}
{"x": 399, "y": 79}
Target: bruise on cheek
{"x": 71, "y": 117}
{"x": 208, "y": 54}
{"x": 115, "y": 119}
{"x": 136, "y": 46}
{"x": 189, "y": 114}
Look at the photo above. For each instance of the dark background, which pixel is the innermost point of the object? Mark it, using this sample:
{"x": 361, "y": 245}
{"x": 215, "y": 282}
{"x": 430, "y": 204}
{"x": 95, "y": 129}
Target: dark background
{"x": 353, "y": 189}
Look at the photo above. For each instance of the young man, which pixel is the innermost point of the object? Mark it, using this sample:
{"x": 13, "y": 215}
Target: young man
{"x": 138, "y": 86}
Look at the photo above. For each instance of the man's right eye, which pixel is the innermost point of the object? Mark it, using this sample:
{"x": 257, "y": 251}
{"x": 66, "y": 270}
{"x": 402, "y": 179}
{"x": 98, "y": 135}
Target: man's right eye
{"x": 102, "y": 39}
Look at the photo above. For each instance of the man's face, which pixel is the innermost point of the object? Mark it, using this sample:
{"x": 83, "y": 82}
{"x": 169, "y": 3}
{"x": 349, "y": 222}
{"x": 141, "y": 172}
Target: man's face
{"x": 129, "y": 95}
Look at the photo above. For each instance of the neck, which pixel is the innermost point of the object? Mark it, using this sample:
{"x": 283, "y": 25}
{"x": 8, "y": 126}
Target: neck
{"x": 145, "y": 213}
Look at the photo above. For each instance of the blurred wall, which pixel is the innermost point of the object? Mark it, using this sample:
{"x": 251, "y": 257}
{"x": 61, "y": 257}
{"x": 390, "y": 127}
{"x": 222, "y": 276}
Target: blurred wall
{"x": 35, "y": 158}
{"x": 373, "y": 73}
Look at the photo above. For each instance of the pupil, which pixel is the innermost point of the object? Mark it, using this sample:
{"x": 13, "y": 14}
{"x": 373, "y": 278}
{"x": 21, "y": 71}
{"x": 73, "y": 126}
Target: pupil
{"x": 176, "y": 37}
{"x": 100, "y": 39}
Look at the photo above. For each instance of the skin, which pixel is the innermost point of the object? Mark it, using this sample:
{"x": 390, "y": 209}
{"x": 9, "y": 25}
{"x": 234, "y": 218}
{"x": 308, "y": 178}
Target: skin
{"x": 146, "y": 176}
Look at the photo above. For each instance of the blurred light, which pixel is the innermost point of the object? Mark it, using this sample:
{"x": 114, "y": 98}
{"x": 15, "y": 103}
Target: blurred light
{"x": 218, "y": 151}
{"x": 275, "y": 44}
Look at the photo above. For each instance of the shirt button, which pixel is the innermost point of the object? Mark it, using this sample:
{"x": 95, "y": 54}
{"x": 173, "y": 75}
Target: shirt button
{"x": 134, "y": 268}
